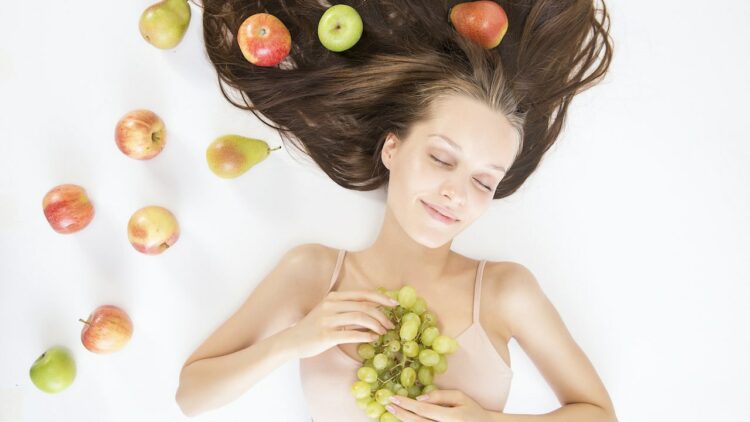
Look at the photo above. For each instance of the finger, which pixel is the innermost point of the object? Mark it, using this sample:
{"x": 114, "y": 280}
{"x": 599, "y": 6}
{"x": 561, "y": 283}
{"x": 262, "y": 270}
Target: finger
{"x": 444, "y": 397}
{"x": 353, "y": 336}
{"x": 356, "y": 318}
{"x": 360, "y": 295}
{"x": 429, "y": 410}
{"x": 405, "y": 415}
{"x": 368, "y": 308}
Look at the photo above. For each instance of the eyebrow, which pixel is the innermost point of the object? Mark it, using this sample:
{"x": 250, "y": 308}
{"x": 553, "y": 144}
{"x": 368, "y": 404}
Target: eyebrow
{"x": 458, "y": 147}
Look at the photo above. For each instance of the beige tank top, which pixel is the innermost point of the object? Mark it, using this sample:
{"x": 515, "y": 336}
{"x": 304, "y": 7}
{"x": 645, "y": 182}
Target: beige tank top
{"x": 475, "y": 368}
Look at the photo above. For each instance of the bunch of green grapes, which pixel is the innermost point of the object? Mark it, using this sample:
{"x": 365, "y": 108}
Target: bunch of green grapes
{"x": 404, "y": 360}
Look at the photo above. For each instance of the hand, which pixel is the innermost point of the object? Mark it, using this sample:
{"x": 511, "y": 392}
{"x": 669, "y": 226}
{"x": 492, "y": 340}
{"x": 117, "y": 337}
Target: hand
{"x": 339, "y": 318}
{"x": 441, "y": 406}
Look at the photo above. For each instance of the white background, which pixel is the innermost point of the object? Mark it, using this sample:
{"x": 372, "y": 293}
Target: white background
{"x": 635, "y": 224}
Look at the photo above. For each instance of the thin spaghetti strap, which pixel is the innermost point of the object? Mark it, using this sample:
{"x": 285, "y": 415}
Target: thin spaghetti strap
{"x": 477, "y": 291}
{"x": 336, "y": 270}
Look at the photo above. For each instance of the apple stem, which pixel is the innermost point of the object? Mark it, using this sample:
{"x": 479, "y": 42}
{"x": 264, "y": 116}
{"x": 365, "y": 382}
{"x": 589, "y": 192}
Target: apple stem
{"x": 274, "y": 149}
{"x": 85, "y": 322}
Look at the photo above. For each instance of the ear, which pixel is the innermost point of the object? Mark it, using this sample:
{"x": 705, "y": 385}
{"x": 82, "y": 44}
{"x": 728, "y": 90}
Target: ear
{"x": 389, "y": 149}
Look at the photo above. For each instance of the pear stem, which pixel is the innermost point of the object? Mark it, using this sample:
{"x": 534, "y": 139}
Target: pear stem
{"x": 85, "y": 322}
{"x": 274, "y": 149}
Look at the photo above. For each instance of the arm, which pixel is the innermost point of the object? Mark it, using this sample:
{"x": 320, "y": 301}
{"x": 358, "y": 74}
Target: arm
{"x": 537, "y": 326}
{"x": 254, "y": 341}
{"x": 579, "y": 412}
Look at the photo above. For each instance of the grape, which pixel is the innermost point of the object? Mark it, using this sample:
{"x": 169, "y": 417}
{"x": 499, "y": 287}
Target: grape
{"x": 408, "y": 376}
{"x": 410, "y": 349}
{"x": 389, "y": 336}
{"x": 381, "y": 396}
{"x": 429, "y": 318}
{"x": 388, "y": 417}
{"x": 414, "y": 391}
{"x": 441, "y": 366}
{"x": 429, "y": 357}
{"x": 360, "y": 389}
{"x": 429, "y": 335}
{"x": 399, "y": 312}
{"x": 380, "y": 362}
{"x": 407, "y": 297}
{"x": 441, "y": 344}
{"x": 419, "y": 307}
{"x": 424, "y": 375}
{"x": 367, "y": 374}
{"x": 404, "y": 360}
{"x": 411, "y": 316}
{"x": 366, "y": 351}
{"x": 374, "y": 409}
{"x": 362, "y": 403}
{"x": 409, "y": 330}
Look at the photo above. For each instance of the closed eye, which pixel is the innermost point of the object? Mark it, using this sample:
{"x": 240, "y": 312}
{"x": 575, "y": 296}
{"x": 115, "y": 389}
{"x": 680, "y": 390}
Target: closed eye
{"x": 489, "y": 189}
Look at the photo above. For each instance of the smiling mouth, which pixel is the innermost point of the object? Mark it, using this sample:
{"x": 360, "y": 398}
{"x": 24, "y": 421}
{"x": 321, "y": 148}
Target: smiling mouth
{"x": 437, "y": 214}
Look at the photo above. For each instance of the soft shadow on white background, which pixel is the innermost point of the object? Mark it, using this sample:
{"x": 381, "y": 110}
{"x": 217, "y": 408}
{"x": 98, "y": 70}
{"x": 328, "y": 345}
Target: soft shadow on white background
{"x": 635, "y": 224}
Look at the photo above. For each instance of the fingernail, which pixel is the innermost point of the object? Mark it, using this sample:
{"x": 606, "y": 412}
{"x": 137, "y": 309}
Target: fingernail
{"x": 422, "y": 397}
{"x": 390, "y": 409}
{"x": 394, "y": 302}
{"x": 393, "y": 399}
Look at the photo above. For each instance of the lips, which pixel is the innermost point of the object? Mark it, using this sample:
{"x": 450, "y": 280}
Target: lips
{"x": 439, "y": 213}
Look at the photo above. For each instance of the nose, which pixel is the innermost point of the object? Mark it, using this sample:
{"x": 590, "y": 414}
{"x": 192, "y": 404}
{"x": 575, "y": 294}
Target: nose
{"x": 454, "y": 191}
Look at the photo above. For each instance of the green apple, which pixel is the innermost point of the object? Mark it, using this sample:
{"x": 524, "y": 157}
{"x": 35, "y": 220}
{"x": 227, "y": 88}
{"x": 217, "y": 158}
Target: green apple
{"x": 54, "y": 370}
{"x": 339, "y": 28}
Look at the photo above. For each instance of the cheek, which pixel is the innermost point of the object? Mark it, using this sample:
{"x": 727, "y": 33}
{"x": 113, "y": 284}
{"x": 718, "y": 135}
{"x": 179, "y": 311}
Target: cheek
{"x": 413, "y": 179}
{"x": 426, "y": 177}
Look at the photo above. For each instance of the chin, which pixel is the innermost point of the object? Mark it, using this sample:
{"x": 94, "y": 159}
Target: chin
{"x": 432, "y": 237}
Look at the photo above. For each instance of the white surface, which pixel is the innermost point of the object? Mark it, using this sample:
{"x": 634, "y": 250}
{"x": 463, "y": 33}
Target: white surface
{"x": 636, "y": 223}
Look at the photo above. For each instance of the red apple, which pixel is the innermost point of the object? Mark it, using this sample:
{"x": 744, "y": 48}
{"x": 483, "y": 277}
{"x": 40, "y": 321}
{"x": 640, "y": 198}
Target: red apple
{"x": 153, "y": 229}
{"x": 483, "y": 22}
{"x": 264, "y": 40}
{"x": 140, "y": 134}
{"x": 67, "y": 208}
{"x": 108, "y": 329}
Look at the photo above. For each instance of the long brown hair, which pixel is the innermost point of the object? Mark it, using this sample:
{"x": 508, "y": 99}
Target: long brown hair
{"x": 337, "y": 108}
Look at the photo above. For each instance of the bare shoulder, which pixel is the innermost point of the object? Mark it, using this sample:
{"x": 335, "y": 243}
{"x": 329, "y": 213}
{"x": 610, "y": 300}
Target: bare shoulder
{"x": 309, "y": 264}
{"x": 510, "y": 289}
{"x": 541, "y": 332}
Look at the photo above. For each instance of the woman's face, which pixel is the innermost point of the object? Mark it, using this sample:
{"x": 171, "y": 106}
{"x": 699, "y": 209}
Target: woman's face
{"x": 465, "y": 185}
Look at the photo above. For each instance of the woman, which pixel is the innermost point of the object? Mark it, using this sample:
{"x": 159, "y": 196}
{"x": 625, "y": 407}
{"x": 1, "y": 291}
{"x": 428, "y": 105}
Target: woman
{"x": 445, "y": 127}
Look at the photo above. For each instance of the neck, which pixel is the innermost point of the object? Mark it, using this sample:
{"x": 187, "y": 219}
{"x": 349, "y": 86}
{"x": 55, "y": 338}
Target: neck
{"x": 395, "y": 259}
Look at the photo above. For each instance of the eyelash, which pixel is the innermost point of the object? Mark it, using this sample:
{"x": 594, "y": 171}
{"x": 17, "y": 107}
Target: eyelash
{"x": 444, "y": 163}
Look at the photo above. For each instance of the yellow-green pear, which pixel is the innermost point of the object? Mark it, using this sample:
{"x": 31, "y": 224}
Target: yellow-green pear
{"x": 229, "y": 156}
{"x": 164, "y": 24}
